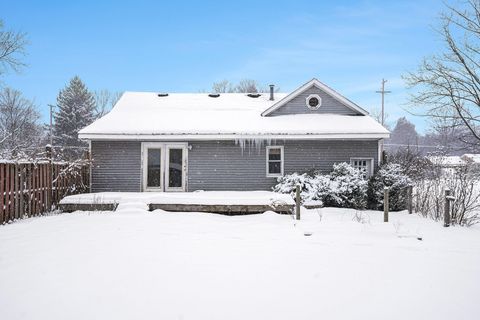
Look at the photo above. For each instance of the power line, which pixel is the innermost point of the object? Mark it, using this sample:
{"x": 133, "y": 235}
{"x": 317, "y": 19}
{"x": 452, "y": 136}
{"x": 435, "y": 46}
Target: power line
{"x": 410, "y": 145}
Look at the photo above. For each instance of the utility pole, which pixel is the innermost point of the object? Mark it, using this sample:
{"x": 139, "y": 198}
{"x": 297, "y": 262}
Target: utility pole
{"x": 51, "y": 124}
{"x": 383, "y": 92}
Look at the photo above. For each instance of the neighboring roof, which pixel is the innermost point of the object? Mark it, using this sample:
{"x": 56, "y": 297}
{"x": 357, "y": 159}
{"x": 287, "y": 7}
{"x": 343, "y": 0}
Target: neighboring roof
{"x": 455, "y": 161}
{"x": 146, "y": 116}
{"x": 320, "y": 85}
{"x": 447, "y": 161}
{"x": 472, "y": 157}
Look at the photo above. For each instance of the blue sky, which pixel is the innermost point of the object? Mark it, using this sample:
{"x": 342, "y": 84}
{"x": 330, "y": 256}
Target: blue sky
{"x": 186, "y": 46}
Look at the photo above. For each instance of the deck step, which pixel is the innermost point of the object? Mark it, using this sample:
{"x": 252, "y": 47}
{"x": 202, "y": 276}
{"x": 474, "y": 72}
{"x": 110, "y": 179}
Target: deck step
{"x": 132, "y": 207}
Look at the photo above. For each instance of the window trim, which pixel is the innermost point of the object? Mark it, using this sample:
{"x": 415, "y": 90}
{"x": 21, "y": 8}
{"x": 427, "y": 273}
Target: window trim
{"x": 307, "y": 99}
{"x": 282, "y": 160}
{"x": 372, "y": 163}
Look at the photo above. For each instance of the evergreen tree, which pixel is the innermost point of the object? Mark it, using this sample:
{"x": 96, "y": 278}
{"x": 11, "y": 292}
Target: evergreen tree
{"x": 404, "y": 134}
{"x": 75, "y": 110}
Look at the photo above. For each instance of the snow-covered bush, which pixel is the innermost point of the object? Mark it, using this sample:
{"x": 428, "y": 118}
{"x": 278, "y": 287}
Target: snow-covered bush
{"x": 289, "y": 182}
{"x": 347, "y": 189}
{"x": 390, "y": 175}
{"x": 344, "y": 187}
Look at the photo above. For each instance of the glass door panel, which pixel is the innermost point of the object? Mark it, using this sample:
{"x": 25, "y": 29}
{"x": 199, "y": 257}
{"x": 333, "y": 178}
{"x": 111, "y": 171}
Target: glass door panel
{"x": 154, "y": 168}
{"x": 175, "y": 168}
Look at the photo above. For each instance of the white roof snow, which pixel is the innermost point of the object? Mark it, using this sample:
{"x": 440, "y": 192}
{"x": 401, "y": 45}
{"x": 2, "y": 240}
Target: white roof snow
{"x": 447, "y": 161}
{"x": 146, "y": 116}
{"x": 472, "y": 157}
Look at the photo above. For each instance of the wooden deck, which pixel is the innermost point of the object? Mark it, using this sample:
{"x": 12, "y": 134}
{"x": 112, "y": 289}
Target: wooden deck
{"x": 71, "y": 207}
{"x": 222, "y": 209}
{"x": 232, "y": 203}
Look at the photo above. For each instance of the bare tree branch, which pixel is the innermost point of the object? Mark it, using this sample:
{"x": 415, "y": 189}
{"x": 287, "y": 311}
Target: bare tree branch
{"x": 12, "y": 49}
{"x": 448, "y": 84}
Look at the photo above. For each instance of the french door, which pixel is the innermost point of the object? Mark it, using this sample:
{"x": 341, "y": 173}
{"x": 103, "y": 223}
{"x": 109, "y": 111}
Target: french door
{"x": 164, "y": 166}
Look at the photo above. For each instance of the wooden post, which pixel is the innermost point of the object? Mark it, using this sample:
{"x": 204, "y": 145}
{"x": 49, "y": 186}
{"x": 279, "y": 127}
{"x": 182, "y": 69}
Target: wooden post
{"x": 2, "y": 195}
{"x": 49, "y": 184}
{"x": 409, "y": 199}
{"x": 12, "y": 192}
{"x": 15, "y": 191}
{"x": 297, "y": 202}
{"x": 21, "y": 190}
{"x": 446, "y": 214}
{"x": 385, "y": 204}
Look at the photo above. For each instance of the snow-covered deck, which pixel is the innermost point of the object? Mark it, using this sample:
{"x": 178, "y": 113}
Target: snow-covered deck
{"x": 227, "y": 202}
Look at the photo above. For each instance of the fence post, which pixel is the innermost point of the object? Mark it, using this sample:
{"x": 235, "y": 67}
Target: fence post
{"x": 2, "y": 195}
{"x": 385, "y": 204}
{"x": 297, "y": 202}
{"x": 16, "y": 191}
{"x": 21, "y": 191}
{"x": 49, "y": 184}
{"x": 410, "y": 199}
{"x": 446, "y": 214}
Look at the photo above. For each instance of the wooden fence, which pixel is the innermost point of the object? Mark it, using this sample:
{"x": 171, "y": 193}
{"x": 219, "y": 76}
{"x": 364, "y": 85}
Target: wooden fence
{"x": 31, "y": 188}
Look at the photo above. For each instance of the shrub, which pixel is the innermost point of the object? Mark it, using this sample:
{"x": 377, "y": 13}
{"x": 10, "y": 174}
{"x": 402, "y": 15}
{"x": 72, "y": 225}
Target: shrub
{"x": 288, "y": 183}
{"x": 344, "y": 187}
{"x": 347, "y": 188}
{"x": 390, "y": 175}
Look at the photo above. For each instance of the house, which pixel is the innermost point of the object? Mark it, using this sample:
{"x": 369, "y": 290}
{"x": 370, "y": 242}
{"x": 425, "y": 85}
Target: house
{"x": 228, "y": 141}
{"x": 451, "y": 164}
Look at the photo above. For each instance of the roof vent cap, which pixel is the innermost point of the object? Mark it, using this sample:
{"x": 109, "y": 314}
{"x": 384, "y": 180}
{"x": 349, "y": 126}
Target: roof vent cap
{"x": 254, "y": 95}
{"x": 162, "y": 94}
{"x": 214, "y": 95}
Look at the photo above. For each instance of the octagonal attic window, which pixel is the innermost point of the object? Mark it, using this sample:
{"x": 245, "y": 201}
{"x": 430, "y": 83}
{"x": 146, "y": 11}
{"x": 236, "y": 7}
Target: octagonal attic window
{"x": 313, "y": 101}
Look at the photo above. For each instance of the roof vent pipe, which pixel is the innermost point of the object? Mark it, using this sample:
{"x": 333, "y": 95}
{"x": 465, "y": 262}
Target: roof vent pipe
{"x": 272, "y": 86}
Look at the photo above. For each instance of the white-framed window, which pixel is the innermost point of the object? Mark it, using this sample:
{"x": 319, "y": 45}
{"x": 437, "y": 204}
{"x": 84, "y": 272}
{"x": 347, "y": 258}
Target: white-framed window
{"x": 313, "y": 101}
{"x": 363, "y": 164}
{"x": 274, "y": 161}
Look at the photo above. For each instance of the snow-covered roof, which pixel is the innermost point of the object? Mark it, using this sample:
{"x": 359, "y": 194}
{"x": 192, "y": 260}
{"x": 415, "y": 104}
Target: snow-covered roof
{"x": 471, "y": 157}
{"x": 447, "y": 161}
{"x": 147, "y": 116}
{"x": 455, "y": 161}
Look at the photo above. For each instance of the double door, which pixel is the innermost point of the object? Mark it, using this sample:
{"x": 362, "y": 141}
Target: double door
{"x": 164, "y": 166}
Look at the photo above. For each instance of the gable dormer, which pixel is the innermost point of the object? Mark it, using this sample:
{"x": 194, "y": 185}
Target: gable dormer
{"x": 314, "y": 97}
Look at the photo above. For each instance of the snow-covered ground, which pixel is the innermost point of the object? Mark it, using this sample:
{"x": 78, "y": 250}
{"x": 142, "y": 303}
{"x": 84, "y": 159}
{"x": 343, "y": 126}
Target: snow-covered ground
{"x": 162, "y": 265}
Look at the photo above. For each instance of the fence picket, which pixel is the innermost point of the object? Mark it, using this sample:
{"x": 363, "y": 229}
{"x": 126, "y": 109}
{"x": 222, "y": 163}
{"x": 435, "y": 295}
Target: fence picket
{"x": 2, "y": 189}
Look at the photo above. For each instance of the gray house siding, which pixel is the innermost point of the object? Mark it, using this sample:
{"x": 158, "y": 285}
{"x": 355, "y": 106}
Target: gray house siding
{"x": 116, "y": 166}
{"x": 222, "y": 165}
{"x": 329, "y": 105}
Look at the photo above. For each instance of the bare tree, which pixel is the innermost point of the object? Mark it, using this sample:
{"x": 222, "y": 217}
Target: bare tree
{"x": 104, "y": 101}
{"x": 12, "y": 49}
{"x": 223, "y": 86}
{"x": 19, "y": 128}
{"x": 376, "y": 113}
{"x": 247, "y": 86}
{"x": 448, "y": 84}
{"x": 243, "y": 86}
